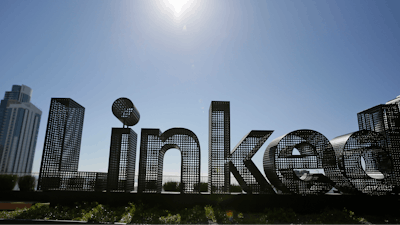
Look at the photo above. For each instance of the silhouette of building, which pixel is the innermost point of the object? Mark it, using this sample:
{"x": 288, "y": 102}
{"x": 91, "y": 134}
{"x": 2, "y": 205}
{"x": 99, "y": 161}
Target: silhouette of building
{"x": 19, "y": 127}
{"x": 62, "y": 142}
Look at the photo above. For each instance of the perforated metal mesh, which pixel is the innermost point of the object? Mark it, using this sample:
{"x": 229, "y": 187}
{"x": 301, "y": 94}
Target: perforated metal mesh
{"x": 245, "y": 171}
{"x": 385, "y": 119}
{"x": 369, "y": 147}
{"x": 316, "y": 152}
{"x": 74, "y": 181}
{"x": 222, "y": 162}
{"x": 153, "y": 146}
{"x": 219, "y": 148}
{"x": 63, "y": 138}
{"x": 125, "y": 111}
{"x": 122, "y": 161}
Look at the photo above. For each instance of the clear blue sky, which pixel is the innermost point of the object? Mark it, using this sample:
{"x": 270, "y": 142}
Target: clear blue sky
{"x": 283, "y": 65}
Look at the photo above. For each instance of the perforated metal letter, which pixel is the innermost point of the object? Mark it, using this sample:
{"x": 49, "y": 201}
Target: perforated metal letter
{"x": 154, "y": 144}
{"x": 366, "y": 149}
{"x": 316, "y": 152}
{"x": 222, "y": 162}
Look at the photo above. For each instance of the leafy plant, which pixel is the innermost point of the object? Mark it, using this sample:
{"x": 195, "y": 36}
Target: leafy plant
{"x": 26, "y": 183}
{"x": 103, "y": 213}
{"x": 7, "y": 182}
{"x": 280, "y": 215}
{"x": 94, "y": 212}
{"x": 203, "y": 187}
{"x": 209, "y": 211}
{"x": 235, "y": 188}
{"x": 145, "y": 214}
{"x": 171, "y": 186}
{"x": 335, "y": 216}
{"x": 37, "y": 211}
{"x": 130, "y": 211}
{"x": 170, "y": 219}
{"x": 11, "y": 214}
{"x": 195, "y": 215}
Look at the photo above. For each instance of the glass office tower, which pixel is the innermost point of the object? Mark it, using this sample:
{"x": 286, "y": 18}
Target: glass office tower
{"x": 19, "y": 127}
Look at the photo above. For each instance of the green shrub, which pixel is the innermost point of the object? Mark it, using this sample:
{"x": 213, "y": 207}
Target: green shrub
{"x": 195, "y": 215}
{"x": 203, "y": 187}
{"x": 334, "y": 216}
{"x": 94, "y": 212}
{"x": 37, "y": 211}
{"x": 145, "y": 214}
{"x": 103, "y": 214}
{"x": 26, "y": 183}
{"x": 171, "y": 186}
{"x": 130, "y": 211}
{"x": 235, "y": 188}
{"x": 227, "y": 216}
{"x": 279, "y": 215}
{"x": 209, "y": 212}
{"x": 170, "y": 218}
{"x": 151, "y": 184}
{"x": 7, "y": 182}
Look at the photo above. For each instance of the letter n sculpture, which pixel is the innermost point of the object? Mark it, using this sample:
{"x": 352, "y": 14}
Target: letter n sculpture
{"x": 154, "y": 145}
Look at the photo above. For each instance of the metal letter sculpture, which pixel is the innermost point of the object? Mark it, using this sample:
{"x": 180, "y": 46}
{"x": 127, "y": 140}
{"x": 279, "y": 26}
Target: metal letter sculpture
{"x": 375, "y": 147}
{"x": 125, "y": 111}
{"x": 62, "y": 142}
{"x": 316, "y": 152}
{"x": 222, "y": 162}
{"x": 385, "y": 119}
{"x": 154, "y": 144}
{"x": 377, "y": 177}
{"x": 122, "y": 161}
{"x": 59, "y": 167}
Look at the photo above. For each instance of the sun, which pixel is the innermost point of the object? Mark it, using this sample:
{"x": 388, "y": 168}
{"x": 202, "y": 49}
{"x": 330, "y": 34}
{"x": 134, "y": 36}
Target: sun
{"x": 178, "y": 6}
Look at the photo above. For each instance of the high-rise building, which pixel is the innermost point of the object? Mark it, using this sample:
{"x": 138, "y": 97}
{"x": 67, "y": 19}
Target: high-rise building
{"x": 394, "y": 101}
{"x": 62, "y": 142}
{"x": 19, "y": 127}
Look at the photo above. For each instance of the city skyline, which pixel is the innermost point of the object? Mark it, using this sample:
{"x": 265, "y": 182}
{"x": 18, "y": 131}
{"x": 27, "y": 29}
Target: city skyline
{"x": 292, "y": 65}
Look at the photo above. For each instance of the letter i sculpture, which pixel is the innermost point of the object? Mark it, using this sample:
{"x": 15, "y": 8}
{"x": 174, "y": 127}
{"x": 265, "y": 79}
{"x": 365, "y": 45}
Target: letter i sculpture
{"x": 121, "y": 166}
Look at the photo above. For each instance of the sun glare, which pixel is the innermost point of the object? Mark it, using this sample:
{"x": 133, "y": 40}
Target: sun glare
{"x": 178, "y": 6}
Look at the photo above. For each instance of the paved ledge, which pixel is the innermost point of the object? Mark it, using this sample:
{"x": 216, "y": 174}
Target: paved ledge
{"x": 14, "y": 205}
